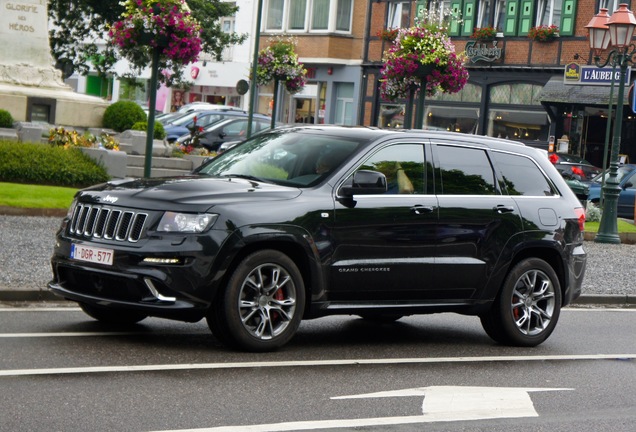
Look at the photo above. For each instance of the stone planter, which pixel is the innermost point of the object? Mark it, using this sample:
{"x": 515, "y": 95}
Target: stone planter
{"x": 196, "y": 160}
{"x": 113, "y": 161}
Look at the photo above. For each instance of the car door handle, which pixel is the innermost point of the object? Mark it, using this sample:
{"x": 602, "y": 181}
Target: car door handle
{"x": 420, "y": 209}
{"x": 501, "y": 209}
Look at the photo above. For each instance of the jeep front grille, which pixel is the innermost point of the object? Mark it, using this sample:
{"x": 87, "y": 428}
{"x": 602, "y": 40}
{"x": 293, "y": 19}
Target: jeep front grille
{"x": 96, "y": 221}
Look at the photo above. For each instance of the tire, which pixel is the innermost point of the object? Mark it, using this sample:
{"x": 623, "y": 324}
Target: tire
{"x": 261, "y": 307}
{"x": 114, "y": 316}
{"x": 528, "y": 306}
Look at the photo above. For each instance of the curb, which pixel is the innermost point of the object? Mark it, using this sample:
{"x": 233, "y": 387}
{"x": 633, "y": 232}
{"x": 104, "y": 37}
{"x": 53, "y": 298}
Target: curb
{"x": 611, "y": 300}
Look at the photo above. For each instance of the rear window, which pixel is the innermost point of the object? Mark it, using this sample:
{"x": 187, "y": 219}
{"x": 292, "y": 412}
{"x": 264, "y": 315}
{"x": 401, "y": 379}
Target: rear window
{"x": 521, "y": 176}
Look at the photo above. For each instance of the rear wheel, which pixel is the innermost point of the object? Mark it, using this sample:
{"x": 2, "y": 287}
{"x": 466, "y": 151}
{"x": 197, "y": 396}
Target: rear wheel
{"x": 113, "y": 315}
{"x": 262, "y": 304}
{"x": 528, "y": 306}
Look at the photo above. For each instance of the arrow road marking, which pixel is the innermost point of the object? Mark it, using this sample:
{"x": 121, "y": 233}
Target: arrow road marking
{"x": 468, "y": 402}
{"x": 445, "y": 403}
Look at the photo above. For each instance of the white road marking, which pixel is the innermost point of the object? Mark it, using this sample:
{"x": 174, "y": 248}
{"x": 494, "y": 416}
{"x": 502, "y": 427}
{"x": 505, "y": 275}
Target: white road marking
{"x": 71, "y": 334}
{"x": 308, "y": 363}
{"x": 444, "y": 403}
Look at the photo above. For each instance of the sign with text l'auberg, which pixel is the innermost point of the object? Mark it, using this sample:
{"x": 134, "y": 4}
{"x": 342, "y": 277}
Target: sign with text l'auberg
{"x": 593, "y": 75}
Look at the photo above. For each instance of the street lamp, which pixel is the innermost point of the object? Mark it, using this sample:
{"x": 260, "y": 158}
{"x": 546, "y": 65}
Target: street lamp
{"x": 615, "y": 31}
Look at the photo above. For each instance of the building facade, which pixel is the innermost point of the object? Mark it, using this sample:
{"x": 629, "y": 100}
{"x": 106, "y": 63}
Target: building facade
{"x": 517, "y": 87}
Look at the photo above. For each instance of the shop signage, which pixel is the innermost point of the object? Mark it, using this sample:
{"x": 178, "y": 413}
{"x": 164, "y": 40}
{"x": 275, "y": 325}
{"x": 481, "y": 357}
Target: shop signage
{"x": 592, "y": 75}
{"x": 483, "y": 51}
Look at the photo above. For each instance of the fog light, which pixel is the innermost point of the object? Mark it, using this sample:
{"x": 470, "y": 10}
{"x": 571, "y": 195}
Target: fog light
{"x": 154, "y": 260}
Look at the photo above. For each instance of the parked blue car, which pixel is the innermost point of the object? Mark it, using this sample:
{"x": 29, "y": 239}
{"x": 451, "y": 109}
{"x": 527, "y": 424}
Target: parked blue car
{"x": 627, "y": 183}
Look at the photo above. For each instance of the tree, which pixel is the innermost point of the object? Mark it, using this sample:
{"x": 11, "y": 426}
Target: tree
{"x": 78, "y": 31}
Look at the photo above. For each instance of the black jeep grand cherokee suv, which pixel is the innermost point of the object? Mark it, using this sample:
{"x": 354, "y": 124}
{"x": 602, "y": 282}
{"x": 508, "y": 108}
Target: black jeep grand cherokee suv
{"x": 318, "y": 220}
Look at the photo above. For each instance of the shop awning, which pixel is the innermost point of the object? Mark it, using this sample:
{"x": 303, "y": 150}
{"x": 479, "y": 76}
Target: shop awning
{"x": 556, "y": 92}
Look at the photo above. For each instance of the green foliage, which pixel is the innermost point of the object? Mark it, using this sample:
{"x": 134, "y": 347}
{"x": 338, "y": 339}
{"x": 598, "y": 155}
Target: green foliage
{"x": 6, "y": 119}
{"x": 159, "y": 132}
{"x": 593, "y": 212}
{"x": 121, "y": 115}
{"x": 48, "y": 165}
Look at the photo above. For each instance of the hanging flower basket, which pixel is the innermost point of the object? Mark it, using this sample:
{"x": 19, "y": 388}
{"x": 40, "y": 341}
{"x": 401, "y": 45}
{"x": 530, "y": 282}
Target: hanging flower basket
{"x": 414, "y": 48}
{"x": 544, "y": 33}
{"x": 279, "y": 62}
{"x": 166, "y": 25}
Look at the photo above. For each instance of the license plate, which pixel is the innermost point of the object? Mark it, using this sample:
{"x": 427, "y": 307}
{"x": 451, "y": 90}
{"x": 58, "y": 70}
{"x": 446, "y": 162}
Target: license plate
{"x": 92, "y": 254}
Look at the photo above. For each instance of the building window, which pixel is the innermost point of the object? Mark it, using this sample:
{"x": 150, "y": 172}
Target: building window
{"x": 308, "y": 15}
{"x": 274, "y": 19}
{"x": 549, "y": 12}
{"x": 522, "y": 15}
{"x": 398, "y": 15}
{"x": 297, "y": 14}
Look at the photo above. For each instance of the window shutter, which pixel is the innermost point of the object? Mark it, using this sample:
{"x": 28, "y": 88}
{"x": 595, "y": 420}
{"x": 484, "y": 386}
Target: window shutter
{"x": 511, "y": 18}
{"x": 526, "y": 16}
{"x": 469, "y": 17}
{"x": 456, "y": 9}
{"x": 568, "y": 18}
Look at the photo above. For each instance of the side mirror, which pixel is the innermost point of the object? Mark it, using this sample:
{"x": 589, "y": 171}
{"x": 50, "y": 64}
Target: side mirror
{"x": 628, "y": 185}
{"x": 365, "y": 182}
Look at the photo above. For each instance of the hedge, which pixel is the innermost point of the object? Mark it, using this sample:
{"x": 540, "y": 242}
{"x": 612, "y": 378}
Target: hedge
{"x": 44, "y": 164}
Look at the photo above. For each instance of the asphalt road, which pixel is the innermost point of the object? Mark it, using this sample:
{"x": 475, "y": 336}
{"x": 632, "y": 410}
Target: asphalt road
{"x": 61, "y": 371}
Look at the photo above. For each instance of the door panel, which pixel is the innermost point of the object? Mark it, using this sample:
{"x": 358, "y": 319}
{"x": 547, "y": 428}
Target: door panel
{"x": 384, "y": 245}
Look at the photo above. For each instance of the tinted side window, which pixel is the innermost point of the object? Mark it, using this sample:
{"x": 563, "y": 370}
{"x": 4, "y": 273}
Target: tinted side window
{"x": 403, "y": 166}
{"x": 464, "y": 171}
{"x": 521, "y": 176}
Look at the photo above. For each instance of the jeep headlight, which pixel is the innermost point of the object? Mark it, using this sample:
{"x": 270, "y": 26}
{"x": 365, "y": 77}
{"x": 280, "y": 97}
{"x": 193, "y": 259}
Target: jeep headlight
{"x": 186, "y": 222}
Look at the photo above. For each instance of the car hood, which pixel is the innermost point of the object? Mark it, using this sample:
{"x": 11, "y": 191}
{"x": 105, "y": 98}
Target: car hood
{"x": 188, "y": 193}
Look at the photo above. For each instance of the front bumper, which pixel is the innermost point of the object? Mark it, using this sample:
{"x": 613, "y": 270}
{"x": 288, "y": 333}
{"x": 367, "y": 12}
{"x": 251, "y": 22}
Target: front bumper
{"x": 183, "y": 290}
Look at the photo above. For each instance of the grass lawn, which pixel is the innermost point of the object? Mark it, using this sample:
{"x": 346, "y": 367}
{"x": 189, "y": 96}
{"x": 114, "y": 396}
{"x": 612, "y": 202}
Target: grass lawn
{"x": 623, "y": 226}
{"x": 34, "y": 196}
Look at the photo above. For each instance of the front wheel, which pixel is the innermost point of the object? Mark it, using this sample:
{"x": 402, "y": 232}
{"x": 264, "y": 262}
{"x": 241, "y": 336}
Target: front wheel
{"x": 527, "y": 308}
{"x": 262, "y": 304}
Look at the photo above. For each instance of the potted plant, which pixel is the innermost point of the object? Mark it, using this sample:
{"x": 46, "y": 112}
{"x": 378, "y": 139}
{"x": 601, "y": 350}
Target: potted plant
{"x": 544, "y": 33}
{"x": 422, "y": 50}
{"x": 484, "y": 33}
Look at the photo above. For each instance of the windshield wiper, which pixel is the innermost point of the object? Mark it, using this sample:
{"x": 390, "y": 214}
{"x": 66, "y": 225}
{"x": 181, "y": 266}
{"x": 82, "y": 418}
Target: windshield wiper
{"x": 244, "y": 176}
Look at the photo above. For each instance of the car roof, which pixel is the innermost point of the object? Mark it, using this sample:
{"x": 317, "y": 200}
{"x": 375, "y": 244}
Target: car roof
{"x": 373, "y": 133}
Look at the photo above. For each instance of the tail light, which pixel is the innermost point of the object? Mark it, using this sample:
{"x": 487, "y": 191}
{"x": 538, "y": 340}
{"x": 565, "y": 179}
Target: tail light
{"x": 553, "y": 157}
{"x": 580, "y": 215}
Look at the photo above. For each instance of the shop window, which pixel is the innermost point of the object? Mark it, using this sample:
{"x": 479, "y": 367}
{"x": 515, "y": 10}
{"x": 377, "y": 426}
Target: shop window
{"x": 391, "y": 116}
{"x": 518, "y": 94}
{"x": 344, "y": 104}
{"x": 308, "y": 15}
{"x": 521, "y": 125}
{"x": 452, "y": 119}
{"x": 470, "y": 93}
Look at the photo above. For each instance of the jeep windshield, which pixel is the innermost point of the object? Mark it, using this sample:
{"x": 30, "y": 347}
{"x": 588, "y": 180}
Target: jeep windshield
{"x": 286, "y": 157}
